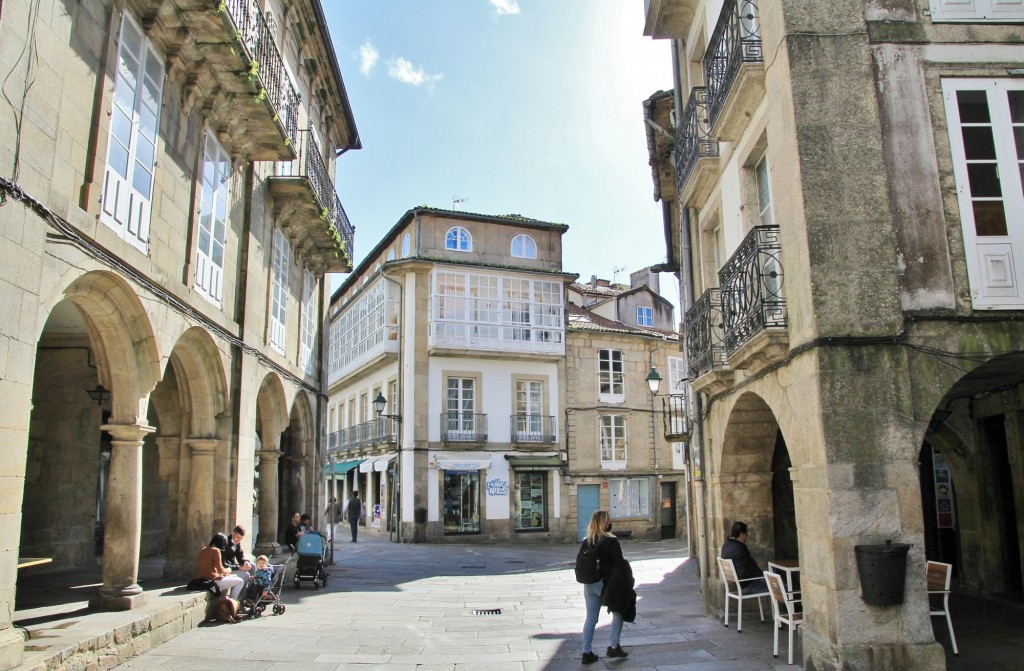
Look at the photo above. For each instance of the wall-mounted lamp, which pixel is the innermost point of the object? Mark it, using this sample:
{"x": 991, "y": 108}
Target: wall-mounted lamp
{"x": 654, "y": 381}
{"x": 99, "y": 394}
{"x": 378, "y": 406}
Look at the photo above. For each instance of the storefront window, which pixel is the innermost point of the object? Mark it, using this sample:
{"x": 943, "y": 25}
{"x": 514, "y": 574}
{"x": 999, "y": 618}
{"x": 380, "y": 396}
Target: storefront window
{"x": 531, "y": 501}
{"x": 629, "y": 497}
{"x": 461, "y": 502}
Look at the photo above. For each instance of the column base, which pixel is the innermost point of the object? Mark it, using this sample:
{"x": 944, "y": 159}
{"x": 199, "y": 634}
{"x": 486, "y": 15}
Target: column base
{"x": 125, "y": 598}
{"x": 12, "y": 648}
{"x": 823, "y": 656}
{"x": 269, "y": 548}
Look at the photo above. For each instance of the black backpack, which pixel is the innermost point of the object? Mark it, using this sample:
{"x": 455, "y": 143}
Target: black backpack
{"x": 587, "y": 569}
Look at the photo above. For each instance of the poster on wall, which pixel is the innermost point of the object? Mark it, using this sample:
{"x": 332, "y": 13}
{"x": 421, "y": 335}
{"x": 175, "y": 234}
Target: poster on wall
{"x": 377, "y": 512}
{"x": 943, "y": 492}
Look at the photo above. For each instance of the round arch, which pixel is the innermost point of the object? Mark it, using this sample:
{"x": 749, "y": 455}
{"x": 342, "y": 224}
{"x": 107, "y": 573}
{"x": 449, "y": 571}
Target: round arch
{"x": 271, "y": 410}
{"x": 200, "y": 375}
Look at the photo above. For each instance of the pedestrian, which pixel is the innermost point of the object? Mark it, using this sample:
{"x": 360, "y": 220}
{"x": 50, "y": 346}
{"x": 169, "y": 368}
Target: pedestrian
{"x": 352, "y": 512}
{"x": 616, "y": 575}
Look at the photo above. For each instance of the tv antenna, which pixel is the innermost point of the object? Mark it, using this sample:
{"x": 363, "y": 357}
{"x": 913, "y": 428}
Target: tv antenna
{"x": 615, "y": 272}
{"x": 458, "y": 200}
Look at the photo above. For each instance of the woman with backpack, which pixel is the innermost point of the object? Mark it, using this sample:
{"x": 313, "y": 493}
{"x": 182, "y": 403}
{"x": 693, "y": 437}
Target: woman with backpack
{"x": 610, "y": 561}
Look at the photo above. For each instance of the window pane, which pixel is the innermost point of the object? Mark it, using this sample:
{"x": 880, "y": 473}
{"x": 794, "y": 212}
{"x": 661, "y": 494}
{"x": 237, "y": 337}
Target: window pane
{"x": 119, "y": 159}
{"x": 142, "y": 181}
{"x": 1016, "y": 100}
{"x": 984, "y": 180}
{"x": 204, "y": 237}
{"x": 978, "y": 143}
{"x": 1018, "y": 139}
{"x": 989, "y": 217}
{"x": 218, "y": 255}
{"x": 973, "y": 106}
{"x": 121, "y": 125}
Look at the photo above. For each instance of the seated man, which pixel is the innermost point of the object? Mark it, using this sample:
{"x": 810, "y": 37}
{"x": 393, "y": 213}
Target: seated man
{"x": 234, "y": 556}
{"x": 735, "y": 548}
{"x": 293, "y": 531}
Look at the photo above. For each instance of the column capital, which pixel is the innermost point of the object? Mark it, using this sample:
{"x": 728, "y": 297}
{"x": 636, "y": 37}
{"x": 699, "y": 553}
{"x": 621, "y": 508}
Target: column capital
{"x": 270, "y": 455}
{"x": 203, "y": 445}
{"x": 127, "y": 432}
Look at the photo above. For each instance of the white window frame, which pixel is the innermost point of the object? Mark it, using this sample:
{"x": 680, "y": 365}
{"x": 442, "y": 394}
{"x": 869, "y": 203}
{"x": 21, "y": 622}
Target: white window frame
{"x": 211, "y": 238}
{"x": 612, "y": 441}
{"x": 524, "y": 247}
{"x": 133, "y": 136}
{"x": 610, "y": 376}
{"x": 458, "y": 239}
{"x": 995, "y": 263}
{"x": 461, "y": 401}
{"x": 406, "y": 245}
{"x": 280, "y": 263}
{"x": 966, "y": 11}
{"x": 529, "y": 399}
{"x": 307, "y": 342}
{"x": 644, "y": 316}
{"x": 763, "y": 186}
{"x": 629, "y": 498}
{"x": 676, "y": 375}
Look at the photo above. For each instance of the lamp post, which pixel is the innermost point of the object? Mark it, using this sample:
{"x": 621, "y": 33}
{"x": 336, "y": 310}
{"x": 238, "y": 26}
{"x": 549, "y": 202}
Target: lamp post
{"x": 653, "y": 381}
{"x": 378, "y": 406}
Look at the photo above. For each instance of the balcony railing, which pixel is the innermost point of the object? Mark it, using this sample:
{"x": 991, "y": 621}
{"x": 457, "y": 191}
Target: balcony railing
{"x": 532, "y": 428}
{"x": 463, "y": 427}
{"x": 341, "y": 224}
{"x": 735, "y": 41}
{"x": 705, "y": 335}
{"x": 693, "y": 139}
{"x": 751, "y": 287}
{"x": 375, "y": 432}
{"x": 268, "y": 66}
{"x": 675, "y": 418}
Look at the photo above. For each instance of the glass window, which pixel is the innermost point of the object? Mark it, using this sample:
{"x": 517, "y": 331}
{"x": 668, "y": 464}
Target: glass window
{"x": 629, "y": 497}
{"x": 644, "y": 316}
{"x": 457, "y": 238}
{"x": 524, "y": 247}
{"x": 461, "y": 408}
{"x": 610, "y": 378}
{"x": 279, "y": 290}
{"x": 461, "y": 502}
{"x": 531, "y": 501}
{"x": 213, "y": 214}
{"x": 764, "y": 192}
{"x": 529, "y": 423}
{"x": 613, "y": 441}
{"x": 309, "y": 321}
{"x": 406, "y": 245}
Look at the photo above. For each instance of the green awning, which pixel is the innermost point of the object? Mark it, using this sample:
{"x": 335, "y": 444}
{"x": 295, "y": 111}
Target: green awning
{"x": 342, "y": 467}
{"x": 534, "y": 463}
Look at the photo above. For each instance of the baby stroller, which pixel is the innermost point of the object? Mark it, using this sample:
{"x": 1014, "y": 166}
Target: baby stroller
{"x": 312, "y": 555}
{"x": 259, "y": 598}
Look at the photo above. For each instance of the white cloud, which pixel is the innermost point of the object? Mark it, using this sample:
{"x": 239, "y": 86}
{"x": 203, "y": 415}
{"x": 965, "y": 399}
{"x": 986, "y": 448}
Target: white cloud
{"x": 407, "y": 73}
{"x": 505, "y": 6}
{"x": 368, "y": 57}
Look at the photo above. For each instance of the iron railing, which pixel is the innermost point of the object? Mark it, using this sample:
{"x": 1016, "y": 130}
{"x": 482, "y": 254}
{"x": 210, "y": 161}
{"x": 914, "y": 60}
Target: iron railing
{"x": 255, "y": 33}
{"x": 675, "y": 419}
{"x": 705, "y": 335}
{"x": 693, "y": 139}
{"x": 459, "y": 427}
{"x": 339, "y": 219}
{"x": 751, "y": 286}
{"x": 374, "y": 432}
{"x": 532, "y": 428}
{"x": 735, "y": 41}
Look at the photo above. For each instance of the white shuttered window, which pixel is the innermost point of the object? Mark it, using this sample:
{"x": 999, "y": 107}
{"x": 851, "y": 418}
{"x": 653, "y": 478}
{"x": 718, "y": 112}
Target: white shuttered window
{"x": 279, "y": 291}
{"x": 306, "y": 347}
{"x": 213, "y": 215}
{"x": 997, "y": 11}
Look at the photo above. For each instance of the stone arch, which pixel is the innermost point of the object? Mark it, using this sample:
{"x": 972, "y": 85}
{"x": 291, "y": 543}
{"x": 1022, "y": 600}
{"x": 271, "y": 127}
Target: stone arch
{"x": 271, "y": 410}
{"x": 271, "y": 420}
{"x": 297, "y": 448}
{"x": 200, "y": 374}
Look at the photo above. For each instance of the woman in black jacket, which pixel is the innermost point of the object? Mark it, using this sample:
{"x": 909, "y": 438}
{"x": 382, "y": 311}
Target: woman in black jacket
{"x": 610, "y": 560}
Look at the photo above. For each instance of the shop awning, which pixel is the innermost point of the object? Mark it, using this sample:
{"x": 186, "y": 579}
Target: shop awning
{"x": 534, "y": 463}
{"x": 376, "y": 463}
{"x": 342, "y": 467}
{"x": 464, "y": 465}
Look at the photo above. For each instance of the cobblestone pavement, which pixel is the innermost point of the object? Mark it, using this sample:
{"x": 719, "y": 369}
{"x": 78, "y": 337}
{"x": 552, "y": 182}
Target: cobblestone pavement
{"x": 415, "y": 607}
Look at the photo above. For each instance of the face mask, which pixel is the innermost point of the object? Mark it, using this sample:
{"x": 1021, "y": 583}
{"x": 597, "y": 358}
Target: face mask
{"x": 608, "y": 527}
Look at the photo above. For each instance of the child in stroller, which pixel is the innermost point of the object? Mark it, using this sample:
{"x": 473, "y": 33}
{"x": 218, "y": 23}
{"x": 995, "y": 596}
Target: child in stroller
{"x": 312, "y": 559}
{"x": 265, "y": 586}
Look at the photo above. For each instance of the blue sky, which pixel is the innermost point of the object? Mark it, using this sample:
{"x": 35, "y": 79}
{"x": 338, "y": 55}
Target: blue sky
{"x": 530, "y": 107}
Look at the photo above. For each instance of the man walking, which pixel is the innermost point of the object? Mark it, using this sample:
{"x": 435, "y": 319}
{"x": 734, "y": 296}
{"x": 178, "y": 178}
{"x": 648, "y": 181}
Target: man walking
{"x": 352, "y": 511}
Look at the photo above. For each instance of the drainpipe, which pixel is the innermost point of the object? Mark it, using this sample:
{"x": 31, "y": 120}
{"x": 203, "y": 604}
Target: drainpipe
{"x": 395, "y": 498}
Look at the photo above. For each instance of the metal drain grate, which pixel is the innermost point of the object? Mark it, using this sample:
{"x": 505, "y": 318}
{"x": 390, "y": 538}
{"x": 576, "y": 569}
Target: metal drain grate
{"x": 487, "y": 611}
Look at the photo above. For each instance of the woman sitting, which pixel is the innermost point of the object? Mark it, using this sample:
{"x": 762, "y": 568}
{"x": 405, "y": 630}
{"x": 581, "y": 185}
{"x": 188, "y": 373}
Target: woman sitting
{"x": 209, "y": 566}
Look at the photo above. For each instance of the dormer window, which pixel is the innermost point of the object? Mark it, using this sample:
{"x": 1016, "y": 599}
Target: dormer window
{"x": 458, "y": 239}
{"x": 524, "y": 247}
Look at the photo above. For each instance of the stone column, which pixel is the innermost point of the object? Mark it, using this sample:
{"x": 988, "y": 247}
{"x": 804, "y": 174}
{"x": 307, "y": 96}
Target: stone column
{"x": 201, "y": 493}
{"x": 169, "y": 448}
{"x": 122, "y": 538}
{"x": 266, "y": 540}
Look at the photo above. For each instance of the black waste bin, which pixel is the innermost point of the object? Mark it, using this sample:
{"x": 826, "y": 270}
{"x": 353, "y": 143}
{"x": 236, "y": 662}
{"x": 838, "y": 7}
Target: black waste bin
{"x": 420, "y": 515}
{"x": 883, "y": 572}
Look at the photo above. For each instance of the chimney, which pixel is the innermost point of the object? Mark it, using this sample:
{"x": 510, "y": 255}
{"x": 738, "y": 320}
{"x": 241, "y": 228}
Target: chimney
{"x": 645, "y": 278}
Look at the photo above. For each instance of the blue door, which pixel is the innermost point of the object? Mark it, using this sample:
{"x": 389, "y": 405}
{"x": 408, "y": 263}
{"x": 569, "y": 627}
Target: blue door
{"x": 588, "y": 499}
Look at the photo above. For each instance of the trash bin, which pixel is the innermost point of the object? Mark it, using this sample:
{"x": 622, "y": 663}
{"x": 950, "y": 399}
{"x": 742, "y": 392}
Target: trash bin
{"x": 883, "y": 572}
{"x": 420, "y": 515}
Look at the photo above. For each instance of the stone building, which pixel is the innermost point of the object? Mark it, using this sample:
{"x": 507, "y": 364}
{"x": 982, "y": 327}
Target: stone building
{"x": 843, "y": 205}
{"x": 619, "y": 458}
{"x": 168, "y": 216}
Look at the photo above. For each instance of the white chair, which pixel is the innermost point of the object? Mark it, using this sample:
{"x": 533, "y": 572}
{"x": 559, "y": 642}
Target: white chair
{"x": 728, "y": 573}
{"x": 939, "y": 576}
{"x": 783, "y": 609}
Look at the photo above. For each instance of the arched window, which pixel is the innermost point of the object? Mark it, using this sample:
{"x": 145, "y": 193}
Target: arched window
{"x": 391, "y": 255}
{"x": 458, "y": 238}
{"x": 406, "y": 245}
{"x": 524, "y": 247}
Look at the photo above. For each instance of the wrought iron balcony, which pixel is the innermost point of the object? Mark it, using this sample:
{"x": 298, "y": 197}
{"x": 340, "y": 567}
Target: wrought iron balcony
{"x": 375, "y": 432}
{"x": 751, "y": 288}
{"x": 675, "y": 417}
{"x": 735, "y": 41}
{"x": 705, "y": 346}
{"x": 463, "y": 427}
{"x": 693, "y": 140}
{"x": 532, "y": 428}
{"x": 312, "y": 210}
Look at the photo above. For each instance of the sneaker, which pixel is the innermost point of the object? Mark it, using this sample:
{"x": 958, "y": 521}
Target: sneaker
{"x": 589, "y": 658}
{"x": 617, "y": 651}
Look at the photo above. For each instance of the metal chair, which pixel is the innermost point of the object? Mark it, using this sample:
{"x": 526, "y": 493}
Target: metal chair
{"x": 728, "y": 573}
{"x": 784, "y": 610}
{"x": 939, "y": 577}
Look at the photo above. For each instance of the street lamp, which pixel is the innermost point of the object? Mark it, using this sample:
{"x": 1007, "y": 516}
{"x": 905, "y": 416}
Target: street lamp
{"x": 654, "y": 381}
{"x": 378, "y": 406}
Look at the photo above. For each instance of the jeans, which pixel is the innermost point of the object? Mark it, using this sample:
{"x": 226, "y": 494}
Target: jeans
{"x": 230, "y": 585}
{"x": 355, "y": 528}
{"x": 592, "y": 596}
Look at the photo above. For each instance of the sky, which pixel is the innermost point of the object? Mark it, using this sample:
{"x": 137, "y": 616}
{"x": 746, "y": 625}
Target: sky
{"x": 530, "y": 107}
